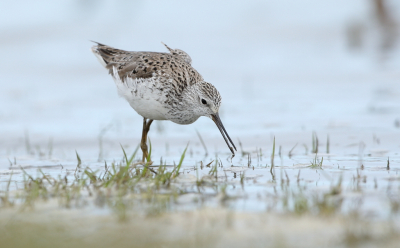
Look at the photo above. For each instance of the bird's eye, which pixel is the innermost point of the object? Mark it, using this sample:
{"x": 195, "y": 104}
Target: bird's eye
{"x": 203, "y": 101}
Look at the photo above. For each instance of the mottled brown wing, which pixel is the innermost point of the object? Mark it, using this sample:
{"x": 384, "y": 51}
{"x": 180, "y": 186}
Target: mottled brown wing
{"x": 133, "y": 64}
{"x": 147, "y": 64}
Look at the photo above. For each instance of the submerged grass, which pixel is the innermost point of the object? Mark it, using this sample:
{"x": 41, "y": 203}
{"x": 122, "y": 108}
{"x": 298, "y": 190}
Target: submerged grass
{"x": 157, "y": 203}
{"x": 316, "y": 163}
{"x": 121, "y": 187}
{"x": 130, "y": 187}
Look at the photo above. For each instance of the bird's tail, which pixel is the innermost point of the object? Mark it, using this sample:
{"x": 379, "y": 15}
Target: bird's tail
{"x": 108, "y": 56}
{"x": 99, "y": 51}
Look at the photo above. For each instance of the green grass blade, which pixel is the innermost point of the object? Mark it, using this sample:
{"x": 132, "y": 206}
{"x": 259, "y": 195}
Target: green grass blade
{"x": 126, "y": 157}
{"x": 181, "y": 161}
{"x": 129, "y": 161}
{"x": 272, "y": 155}
{"x": 133, "y": 154}
{"x": 79, "y": 159}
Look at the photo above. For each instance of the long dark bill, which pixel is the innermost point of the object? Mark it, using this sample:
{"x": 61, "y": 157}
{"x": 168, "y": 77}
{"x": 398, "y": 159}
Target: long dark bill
{"x": 224, "y": 133}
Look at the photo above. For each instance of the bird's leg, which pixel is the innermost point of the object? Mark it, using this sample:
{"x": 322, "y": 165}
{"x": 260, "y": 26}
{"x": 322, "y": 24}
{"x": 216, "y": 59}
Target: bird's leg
{"x": 143, "y": 143}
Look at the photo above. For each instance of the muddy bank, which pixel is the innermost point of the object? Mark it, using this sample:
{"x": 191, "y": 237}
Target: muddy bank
{"x": 49, "y": 227}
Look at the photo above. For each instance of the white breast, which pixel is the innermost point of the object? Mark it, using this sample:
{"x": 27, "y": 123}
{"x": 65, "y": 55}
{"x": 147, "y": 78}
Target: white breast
{"x": 143, "y": 95}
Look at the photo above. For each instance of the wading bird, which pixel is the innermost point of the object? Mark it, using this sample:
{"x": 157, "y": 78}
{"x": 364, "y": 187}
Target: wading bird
{"x": 162, "y": 86}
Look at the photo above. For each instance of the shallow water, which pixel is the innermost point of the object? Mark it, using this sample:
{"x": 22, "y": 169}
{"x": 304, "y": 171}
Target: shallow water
{"x": 367, "y": 184}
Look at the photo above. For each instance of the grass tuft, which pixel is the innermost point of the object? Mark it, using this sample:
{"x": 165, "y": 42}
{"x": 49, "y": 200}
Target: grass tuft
{"x": 316, "y": 163}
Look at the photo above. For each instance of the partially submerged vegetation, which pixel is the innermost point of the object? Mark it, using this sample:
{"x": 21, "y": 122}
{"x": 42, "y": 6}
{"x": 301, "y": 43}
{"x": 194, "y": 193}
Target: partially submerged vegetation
{"x": 129, "y": 189}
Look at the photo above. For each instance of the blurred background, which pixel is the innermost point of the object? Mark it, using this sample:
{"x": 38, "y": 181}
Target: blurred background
{"x": 282, "y": 67}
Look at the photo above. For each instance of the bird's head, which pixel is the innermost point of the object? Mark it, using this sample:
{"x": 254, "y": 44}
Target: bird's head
{"x": 208, "y": 100}
{"x": 208, "y": 103}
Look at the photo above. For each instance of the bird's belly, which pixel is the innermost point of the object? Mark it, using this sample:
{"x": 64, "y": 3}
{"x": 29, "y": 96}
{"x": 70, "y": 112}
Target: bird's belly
{"x": 148, "y": 108}
{"x": 144, "y": 96}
